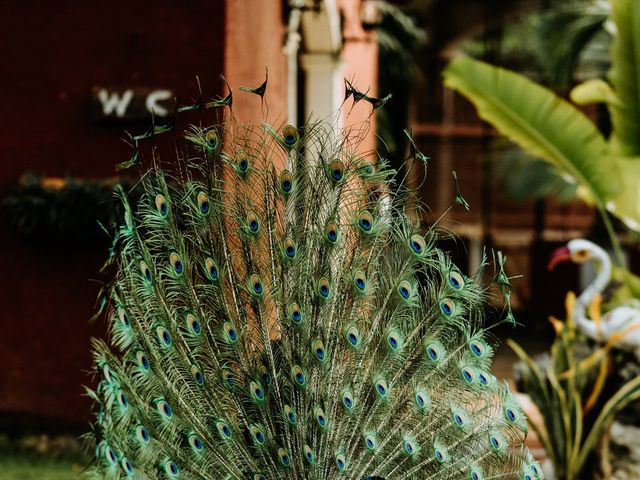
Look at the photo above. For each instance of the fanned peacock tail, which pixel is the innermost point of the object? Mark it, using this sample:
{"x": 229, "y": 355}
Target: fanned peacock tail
{"x": 277, "y": 314}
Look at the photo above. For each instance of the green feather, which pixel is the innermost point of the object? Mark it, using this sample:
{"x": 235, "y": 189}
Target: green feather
{"x": 276, "y": 313}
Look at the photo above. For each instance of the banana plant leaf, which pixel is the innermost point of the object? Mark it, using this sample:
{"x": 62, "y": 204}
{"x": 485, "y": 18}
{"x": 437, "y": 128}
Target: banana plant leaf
{"x": 625, "y": 78}
{"x": 540, "y": 122}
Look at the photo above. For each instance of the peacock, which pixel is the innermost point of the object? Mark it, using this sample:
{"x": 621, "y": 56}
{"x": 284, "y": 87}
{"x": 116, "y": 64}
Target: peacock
{"x": 277, "y": 311}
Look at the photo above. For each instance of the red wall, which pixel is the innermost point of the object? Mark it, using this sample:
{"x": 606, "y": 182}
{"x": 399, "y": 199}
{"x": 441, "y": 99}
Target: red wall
{"x": 52, "y": 53}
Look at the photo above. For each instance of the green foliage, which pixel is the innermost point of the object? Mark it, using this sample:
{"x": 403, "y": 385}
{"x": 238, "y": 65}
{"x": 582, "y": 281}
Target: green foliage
{"x": 400, "y": 39}
{"x": 571, "y": 397}
{"x": 70, "y": 209}
{"x": 539, "y": 121}
{"x": 567, "y": 33}
{"x": 607, "y": 172}
{"x": 28, "y": 468}
{"x": 535, "y": 178}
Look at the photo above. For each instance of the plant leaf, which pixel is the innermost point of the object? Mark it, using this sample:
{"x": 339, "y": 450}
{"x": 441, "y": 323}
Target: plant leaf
{"x": 593, "y": 91}
{"x": 628, "y": 393}
{"x": 625, "y": 78}
{"x": 539, "y": 121}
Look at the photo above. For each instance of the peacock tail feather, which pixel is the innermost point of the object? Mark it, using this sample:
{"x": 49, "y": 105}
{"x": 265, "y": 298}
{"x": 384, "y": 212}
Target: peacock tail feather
{"x": 276, "y": 313}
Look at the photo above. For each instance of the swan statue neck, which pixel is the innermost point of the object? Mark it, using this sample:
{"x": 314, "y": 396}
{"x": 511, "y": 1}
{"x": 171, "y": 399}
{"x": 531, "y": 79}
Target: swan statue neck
{"x": 599, "y": 283}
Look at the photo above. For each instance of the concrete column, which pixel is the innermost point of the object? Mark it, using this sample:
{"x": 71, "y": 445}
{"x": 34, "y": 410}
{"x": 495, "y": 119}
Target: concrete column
{"x": 324, "y": 89}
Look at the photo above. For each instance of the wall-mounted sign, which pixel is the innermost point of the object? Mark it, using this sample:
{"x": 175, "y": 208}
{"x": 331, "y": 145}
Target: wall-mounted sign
{"x": 131, "y": 103}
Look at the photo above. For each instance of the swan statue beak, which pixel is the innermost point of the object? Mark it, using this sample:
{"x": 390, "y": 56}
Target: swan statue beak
{"x": 559, "y": 255}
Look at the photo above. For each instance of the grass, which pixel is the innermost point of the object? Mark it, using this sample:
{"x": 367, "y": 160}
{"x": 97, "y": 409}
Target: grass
{"x": 26, "y": 467}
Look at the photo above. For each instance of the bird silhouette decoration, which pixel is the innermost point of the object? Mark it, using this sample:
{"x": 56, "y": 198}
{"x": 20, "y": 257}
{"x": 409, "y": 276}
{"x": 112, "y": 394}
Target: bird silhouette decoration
{"x": 622, "y": 321}
{"x": 276, "y": 313}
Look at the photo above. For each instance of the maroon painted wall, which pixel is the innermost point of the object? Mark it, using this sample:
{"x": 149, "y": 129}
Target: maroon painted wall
{"x": 51, "y": 54}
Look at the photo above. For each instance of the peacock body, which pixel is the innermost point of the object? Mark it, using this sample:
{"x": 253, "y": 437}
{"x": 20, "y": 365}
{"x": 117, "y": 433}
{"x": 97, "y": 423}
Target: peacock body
{"x": 277, "y": 314}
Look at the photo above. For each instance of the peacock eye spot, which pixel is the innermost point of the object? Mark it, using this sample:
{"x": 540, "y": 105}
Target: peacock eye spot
{"x": 324, "y": 291}
{"x": 198, "y": 377}
{"x": 296, "y": 316}
{"x": 110, "y": 455}
{"x": 365, "y": 223}
{"x": 417, "y": 244}
{"x": 230, "y": 331}
{"x": 447, "y": 307}
{"x": 483, "y": 379}
{"x": 161, "y": 205}
{"x": 212, "y": 138}
{"x": 257, "y": 287}
{"x": 176, "y": 263}
{"x": 203, "y": 203}
{"x": 286, "y": 185}
{"x": 243, "y": 165}
{"x": 467, "y": 374}
{"x": 291, "y": 252}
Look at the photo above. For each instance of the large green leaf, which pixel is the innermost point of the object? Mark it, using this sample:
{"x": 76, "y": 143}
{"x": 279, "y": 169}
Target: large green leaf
{"x": 628, "y": 393}
{"x": 625, "y": 202}
{"x": 539, "y": 121}
{"x": 625, "y": 78}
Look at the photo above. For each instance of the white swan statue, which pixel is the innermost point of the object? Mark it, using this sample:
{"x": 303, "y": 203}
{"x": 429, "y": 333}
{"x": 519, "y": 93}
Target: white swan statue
{"x": 624, "y": 319}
